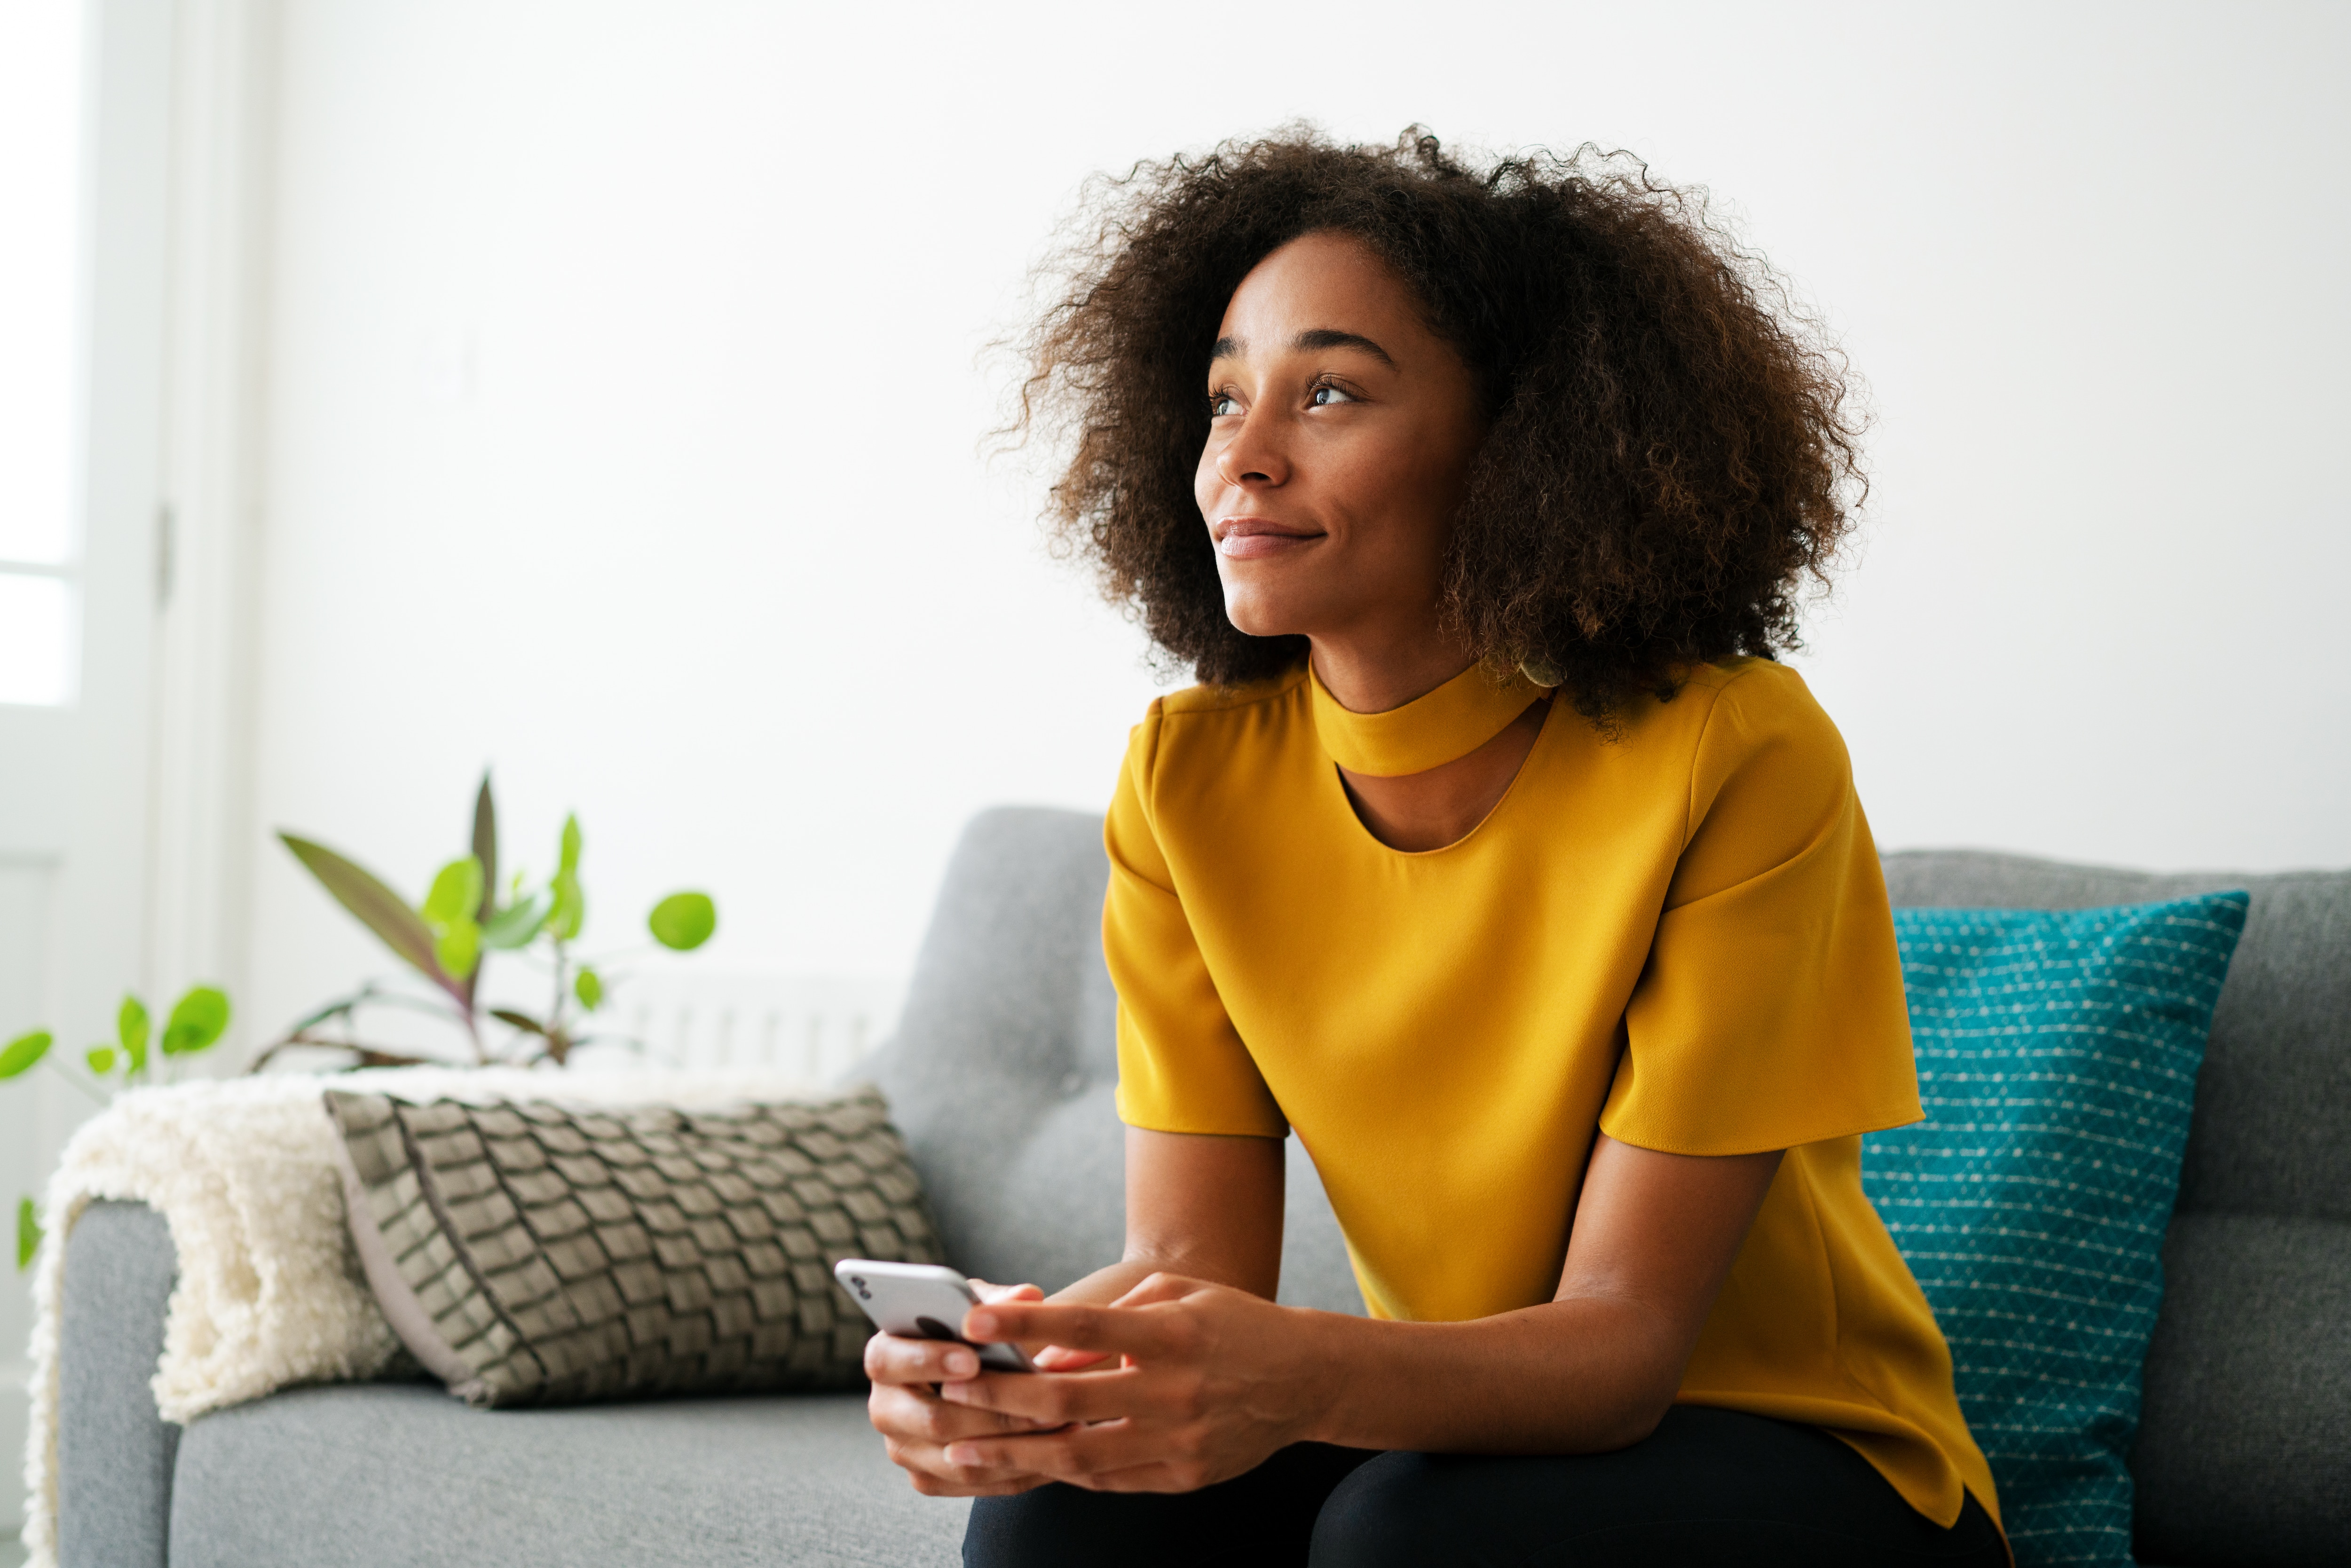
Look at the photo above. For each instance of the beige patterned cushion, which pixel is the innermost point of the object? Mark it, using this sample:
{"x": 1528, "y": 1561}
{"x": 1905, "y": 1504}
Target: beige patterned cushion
{"x": 532, "y": 1254}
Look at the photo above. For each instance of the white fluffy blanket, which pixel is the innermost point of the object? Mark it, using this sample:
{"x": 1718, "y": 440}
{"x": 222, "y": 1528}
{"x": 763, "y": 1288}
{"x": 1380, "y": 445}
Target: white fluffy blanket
{"x": 269, "y": 1293}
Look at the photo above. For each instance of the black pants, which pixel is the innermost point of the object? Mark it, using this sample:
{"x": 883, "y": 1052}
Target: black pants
{"x": 1709, "y": 1486}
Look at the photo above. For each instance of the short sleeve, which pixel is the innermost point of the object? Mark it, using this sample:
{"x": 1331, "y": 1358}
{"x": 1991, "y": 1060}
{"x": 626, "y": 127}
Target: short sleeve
{"x": 1182, "y": 1067}
{"x": 1771, "y": 1012}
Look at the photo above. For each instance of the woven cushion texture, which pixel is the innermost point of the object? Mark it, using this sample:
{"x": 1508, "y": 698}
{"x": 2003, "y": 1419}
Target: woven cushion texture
{"x": 558, "y": 1254}
{"x": 2057, "y": 1061}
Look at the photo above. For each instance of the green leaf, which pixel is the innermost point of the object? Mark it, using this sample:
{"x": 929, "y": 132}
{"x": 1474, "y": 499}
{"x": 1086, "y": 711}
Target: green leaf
{"x": 457, "y": 892}
{"x": 570, "y": 846}
{"x": 459, "y": 946}
{"x": 198, "y": 1021}
{"x": 588, "y": 986}
{"x": 25, "y": 1051}
{"x": 571, "y": 909}
{"x": 101, "y": 1059}
{"x": 379, "y": 908}
{"x": 684, "y": 921}
{"x": 522, "y": 1021}
{"x": 517, "y": 924}
{"x": 486, "y": 846}
{"x": 28, "y": 1232}
{"x": 131, "y": 1028}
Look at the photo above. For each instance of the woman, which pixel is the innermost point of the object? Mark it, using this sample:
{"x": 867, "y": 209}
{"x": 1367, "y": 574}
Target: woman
{"x": 1495, "y": 858}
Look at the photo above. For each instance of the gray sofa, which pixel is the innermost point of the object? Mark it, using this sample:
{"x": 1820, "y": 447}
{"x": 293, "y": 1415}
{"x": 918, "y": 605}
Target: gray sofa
{"x": 1001, "y": 1075}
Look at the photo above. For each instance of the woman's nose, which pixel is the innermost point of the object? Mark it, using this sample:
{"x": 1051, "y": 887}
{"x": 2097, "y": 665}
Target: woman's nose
{"x": 1255, "y": 456}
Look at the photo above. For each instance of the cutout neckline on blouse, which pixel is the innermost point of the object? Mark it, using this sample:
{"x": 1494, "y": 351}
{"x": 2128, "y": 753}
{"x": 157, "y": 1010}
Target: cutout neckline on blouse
{"x": 1433, "y": 729}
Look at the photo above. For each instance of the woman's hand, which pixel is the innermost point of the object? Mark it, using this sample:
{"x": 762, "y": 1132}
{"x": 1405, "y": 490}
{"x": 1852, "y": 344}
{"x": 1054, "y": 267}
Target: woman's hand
{"x": 1209, "y": 1382}
{"x": 917, "y": 1425}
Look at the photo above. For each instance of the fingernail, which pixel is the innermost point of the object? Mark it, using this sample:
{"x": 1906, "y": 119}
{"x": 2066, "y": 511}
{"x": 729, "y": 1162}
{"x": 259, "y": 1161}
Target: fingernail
{"x": 962, "y": 1454}
{"x": 962, "y": 1363}
{"x": 981, "y": 1323}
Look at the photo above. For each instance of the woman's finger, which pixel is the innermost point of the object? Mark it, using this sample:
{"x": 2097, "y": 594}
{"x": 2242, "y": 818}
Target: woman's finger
{"x": 1051, "y": 1357}
{"x": 892, "y": 1359}
{"x": 915, "y": 1415}
{"x": 1073, "y": 1454}
{"x": 987, "y": 1292}
{"x": 1052, "y": 1400}
{"x": 927, "y": 1465}
{"x": 1129, "y": 1331}
{"x": 932, "y": 1483}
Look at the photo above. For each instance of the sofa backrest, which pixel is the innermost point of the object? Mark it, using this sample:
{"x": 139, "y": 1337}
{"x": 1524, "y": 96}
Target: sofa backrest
{"x": 1005, "y": 1060}
{"x": 1003, "y": 1066}
{"x": 2244, "y": 1452}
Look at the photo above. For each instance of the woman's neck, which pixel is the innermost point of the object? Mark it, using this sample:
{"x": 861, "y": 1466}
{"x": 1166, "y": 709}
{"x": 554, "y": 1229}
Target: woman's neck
{"x": 1371, "y": 674}
{"x": 1416, "y": 811}
{"x": 1440, "y": 806}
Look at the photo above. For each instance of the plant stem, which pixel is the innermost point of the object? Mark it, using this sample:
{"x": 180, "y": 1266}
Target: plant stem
{"x": 555, "y": 1011}
{"x": 370, "y": 1056}
{"x": 402, "y": 1000}
{"x": 51, "y": 1063}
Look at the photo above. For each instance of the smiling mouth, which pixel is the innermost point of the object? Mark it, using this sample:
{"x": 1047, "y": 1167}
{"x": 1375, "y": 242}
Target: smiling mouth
{"x": 1256, "y": 538}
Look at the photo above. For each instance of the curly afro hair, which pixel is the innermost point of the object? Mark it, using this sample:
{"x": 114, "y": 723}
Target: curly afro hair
{"x": 1668, "y": 453}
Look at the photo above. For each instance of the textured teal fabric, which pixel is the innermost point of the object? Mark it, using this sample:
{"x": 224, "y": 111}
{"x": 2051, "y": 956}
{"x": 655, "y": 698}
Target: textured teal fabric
{"x": 2057, "y": 1059}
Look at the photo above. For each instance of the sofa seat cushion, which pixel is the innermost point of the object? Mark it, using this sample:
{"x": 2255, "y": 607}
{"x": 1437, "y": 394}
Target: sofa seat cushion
{"x": 2250, "y": 1376}
{"x": 401, "y": 1474}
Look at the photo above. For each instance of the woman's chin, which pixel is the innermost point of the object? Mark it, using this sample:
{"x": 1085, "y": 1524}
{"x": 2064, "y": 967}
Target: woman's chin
{"x": 1258, "y": 616}
{"x": 1261, "y": 625}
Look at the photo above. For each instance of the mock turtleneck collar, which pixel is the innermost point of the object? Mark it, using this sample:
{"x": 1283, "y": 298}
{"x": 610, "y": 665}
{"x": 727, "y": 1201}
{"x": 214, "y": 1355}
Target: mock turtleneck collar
{"x": 1429, "y": 731}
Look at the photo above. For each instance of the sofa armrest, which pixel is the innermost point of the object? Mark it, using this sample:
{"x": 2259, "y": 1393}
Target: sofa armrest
{"x": 114, "y": 1453}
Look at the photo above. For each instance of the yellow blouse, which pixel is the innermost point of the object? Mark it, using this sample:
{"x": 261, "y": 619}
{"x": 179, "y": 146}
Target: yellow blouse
{"x": 1676, "y": 932}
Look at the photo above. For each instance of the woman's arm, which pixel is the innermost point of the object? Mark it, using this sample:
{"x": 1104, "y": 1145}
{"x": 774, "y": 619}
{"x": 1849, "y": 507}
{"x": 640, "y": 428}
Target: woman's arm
{"x": 1214, "y": 1379}
{"x": 1595, "y": 1367}
{"x": 1206, "y": 1207}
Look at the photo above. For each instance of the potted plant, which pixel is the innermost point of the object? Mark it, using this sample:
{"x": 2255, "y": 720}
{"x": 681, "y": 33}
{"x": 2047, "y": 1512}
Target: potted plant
{"x": 448, "y": 940}
{"x": 196, "y": 1023}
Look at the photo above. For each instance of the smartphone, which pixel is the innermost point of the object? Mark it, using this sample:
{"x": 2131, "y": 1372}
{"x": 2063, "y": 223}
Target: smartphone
{"x": 922, "y": 1301}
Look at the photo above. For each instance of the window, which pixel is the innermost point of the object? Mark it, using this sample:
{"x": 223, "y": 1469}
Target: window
{"x": 41, "y": 80}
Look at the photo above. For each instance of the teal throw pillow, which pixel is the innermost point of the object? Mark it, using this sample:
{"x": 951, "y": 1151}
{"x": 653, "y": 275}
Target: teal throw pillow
{"x": 2057, "y": 1059}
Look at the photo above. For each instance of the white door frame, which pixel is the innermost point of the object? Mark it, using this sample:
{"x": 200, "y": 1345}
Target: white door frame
{"x": 139, "y": 825}
{"x": 202, "y": 824}
{"x": 74, "y": 796}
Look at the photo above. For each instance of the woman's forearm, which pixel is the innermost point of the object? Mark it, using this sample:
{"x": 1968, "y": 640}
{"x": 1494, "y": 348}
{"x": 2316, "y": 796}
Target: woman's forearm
{"x": 1105, "y": 1286}
{"x": 1593, "y": 1370}
{"x": 1580, "y": 1375}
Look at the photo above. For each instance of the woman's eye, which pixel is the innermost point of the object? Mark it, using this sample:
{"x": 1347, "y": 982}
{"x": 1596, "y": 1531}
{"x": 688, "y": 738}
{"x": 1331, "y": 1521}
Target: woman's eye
{"x": 1324, "y": 396}
{"x": 1220, "y": 405}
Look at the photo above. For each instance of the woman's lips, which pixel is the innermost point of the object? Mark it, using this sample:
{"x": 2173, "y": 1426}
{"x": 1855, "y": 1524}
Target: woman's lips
{"x": 1249, "y": 539}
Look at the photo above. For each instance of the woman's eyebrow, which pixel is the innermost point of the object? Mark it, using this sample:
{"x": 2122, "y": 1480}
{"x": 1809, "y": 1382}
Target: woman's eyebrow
{"x": 1329, "y": 338}
{"x": 1314, "y": 338}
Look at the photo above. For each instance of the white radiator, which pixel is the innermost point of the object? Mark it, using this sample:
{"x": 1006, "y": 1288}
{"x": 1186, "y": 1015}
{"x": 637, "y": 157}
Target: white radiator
{"x": 814, "y": 1026}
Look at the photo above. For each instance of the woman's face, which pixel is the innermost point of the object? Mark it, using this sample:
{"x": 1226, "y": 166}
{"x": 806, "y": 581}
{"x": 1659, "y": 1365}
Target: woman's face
{"x": 1339, "y": 439}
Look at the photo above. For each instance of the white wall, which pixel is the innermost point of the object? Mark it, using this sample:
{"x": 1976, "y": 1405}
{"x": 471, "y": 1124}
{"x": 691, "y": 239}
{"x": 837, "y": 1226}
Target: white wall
{"x": 623, "y": 411}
